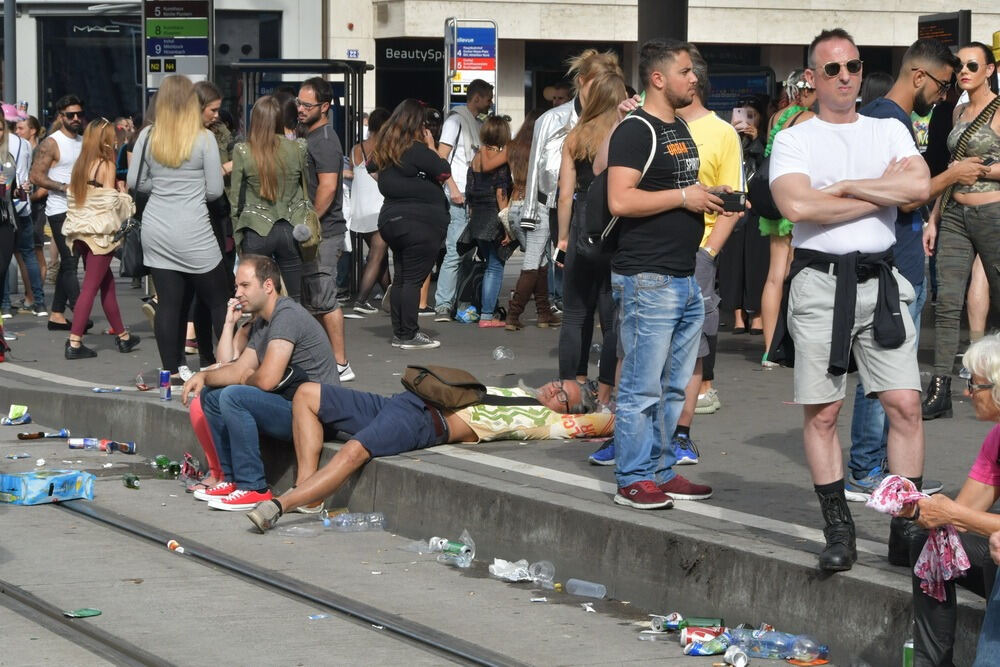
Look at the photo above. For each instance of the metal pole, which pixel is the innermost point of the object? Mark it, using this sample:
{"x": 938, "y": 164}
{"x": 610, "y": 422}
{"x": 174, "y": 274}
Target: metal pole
{"x": 9, "y": 51}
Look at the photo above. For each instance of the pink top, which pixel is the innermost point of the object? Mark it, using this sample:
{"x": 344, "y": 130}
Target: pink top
{"x": 985, "y": 469}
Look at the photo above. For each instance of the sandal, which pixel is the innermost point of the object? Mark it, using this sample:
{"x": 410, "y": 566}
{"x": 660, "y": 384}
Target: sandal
{"x": 204, "y": 485}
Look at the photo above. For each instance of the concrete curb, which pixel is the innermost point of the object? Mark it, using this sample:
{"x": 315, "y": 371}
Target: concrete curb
{"x": 649, "y": 559}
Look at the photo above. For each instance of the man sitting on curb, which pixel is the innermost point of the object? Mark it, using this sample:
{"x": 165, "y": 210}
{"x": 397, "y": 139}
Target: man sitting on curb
{"x": 252, "y": 395}
{"x": 386, "y": 426}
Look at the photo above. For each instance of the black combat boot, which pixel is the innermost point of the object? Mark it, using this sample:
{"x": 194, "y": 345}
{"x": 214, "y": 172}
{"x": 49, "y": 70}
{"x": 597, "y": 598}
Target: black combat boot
{"x": 840, "y": 552}
{"x": 903, "y": 533}
{"x": 937, "y": 399}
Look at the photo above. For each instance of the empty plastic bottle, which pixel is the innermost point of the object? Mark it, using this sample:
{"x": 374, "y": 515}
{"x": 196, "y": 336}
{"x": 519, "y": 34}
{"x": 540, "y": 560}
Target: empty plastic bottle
{"x": 161, "y": 461}
{"x": 502, "y": 353}
{"x": 356, "y": 523}
{"x": 298, "y": 531}
{"x": 131, "y": 481}
{"x": 542, "y": 573}
{"x": 587, "y": 589}
{"x": 778, "y": 645}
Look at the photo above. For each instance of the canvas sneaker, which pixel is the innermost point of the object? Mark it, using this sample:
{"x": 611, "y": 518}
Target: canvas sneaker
{"x": 859, "y": 489}
{"x": 365, "y": 308}
{"x": 685, "y": 450}
{"x": 605, "y": 456}
{"x": 442, "y": 315}
{"x": 708, "y": 403}
{"x": 220, "y": 490}
{"x": 240, "y": 500}
{"x": 680, "y": 488}
{"x": 420, "y": 341}
{"x": 264, "y": 516}
{"x": 345, "y": 372}
{"x": 643, "y": 495}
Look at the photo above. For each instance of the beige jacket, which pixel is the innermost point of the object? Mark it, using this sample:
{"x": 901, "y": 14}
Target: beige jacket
{"x": 96, "y": 220}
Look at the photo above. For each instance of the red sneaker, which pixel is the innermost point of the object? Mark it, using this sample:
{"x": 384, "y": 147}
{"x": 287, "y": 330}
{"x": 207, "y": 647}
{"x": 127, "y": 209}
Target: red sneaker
{"x": 240, "y": 499}
{"x": 220, "y": 490}
{"x": 643, "y": 495}
{"x": 681, "y": 489}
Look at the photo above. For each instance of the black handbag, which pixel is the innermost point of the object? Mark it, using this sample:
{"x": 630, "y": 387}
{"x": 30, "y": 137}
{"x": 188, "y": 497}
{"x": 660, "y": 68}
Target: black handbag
{"x": 759, "y": 185}
{"x": 598, "y": 239}
{"x": 130, "y": 252}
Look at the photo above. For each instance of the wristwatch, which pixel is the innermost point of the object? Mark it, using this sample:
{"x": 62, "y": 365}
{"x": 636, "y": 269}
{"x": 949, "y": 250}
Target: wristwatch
{"x": 711, "y": 251}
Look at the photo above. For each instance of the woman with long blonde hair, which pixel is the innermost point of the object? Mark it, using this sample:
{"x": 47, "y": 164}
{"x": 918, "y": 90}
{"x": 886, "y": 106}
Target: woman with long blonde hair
{"x": 176, "y": 161}
{"x": 586, "y": 283}
{"x": 267, "y": 181}
{"x": 95, "y": 211}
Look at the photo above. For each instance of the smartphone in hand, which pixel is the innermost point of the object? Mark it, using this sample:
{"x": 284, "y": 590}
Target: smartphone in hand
{"x": 559, "y": 256}
{"x": 740, "y": 115}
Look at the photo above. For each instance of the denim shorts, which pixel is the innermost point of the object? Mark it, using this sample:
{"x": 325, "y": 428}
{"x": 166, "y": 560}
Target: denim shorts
{"x": 384, "y": 426}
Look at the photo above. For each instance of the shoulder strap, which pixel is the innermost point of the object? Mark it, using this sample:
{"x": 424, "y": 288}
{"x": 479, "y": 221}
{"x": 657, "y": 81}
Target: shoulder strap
{"x": 142, "y": 159}
{"x": 963, "y": 141}
{"x": 649, "y": 160}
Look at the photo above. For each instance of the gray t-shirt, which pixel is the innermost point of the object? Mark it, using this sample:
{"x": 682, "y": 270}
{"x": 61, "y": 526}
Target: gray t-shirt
{"x": 326, "y": 156}
{"x": 312, "y": 352}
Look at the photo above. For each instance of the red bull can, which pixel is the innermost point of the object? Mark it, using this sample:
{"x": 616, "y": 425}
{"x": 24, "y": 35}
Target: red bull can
{"x": 164, "y": 385}
{"x": 693, "y": 634}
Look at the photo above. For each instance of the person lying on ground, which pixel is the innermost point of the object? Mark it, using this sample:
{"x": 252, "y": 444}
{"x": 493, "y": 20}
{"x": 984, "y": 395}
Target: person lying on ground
{"x": 384, "y": 426}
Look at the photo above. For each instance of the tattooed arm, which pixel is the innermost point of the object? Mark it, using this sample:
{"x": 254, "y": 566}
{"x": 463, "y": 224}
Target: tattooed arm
{"x": 47, "y": 155}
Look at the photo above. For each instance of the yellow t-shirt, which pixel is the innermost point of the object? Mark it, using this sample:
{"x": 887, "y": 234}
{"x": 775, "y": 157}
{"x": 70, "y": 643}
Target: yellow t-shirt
{"x": 531, "y": 422}
{"x": 721, "y": 155}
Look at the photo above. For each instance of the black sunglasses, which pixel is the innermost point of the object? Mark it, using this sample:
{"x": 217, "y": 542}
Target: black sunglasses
{"x": 972, "y": 66}
{"x": 833, "y": 69}
{"x": 73, "y": 114}
{"x": 943, "y": 86}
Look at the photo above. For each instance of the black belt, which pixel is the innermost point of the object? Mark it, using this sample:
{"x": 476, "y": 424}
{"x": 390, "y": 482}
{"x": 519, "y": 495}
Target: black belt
{"x": 863, "y": 273}
{"x": 439, "y": 422}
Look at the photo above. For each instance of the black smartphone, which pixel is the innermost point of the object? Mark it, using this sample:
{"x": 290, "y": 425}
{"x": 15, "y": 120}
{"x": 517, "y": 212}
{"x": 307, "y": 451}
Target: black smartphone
{"x": 733, "y": 202}
{"x": 988, "y": 161}
{"x": 559, "y": 256}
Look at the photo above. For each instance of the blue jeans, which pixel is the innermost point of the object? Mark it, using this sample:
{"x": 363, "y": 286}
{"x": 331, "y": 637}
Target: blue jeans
{"x": 661, "y": 320}
{"x": 236, "y": 415}
{"x": 492, "y": 279}
{"x": 24, "y": 244}
{"x": 988, "y": 648}
{"x": 447, "y": 282}
{"x": 869, "y": 427}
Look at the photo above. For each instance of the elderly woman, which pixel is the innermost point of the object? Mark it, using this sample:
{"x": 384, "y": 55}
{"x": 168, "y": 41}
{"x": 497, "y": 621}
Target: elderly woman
{"x": 934, "y": 632}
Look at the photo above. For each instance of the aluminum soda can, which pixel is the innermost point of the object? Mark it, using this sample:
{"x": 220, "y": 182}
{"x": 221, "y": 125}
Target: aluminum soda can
{"x": 908, "y": 653}
{"x": 694, "y": 634}
{"x": 671, "y": 621}
{"x": 736, "y": 656}
{"x": 164, "y": 385}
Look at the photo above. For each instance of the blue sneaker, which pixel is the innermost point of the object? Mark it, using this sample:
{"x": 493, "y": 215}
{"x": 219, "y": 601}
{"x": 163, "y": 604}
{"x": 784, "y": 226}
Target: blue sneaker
{"x": 859, "y": 490}
{"x": 605, "y": 456}
{"x": 685, "y": 450}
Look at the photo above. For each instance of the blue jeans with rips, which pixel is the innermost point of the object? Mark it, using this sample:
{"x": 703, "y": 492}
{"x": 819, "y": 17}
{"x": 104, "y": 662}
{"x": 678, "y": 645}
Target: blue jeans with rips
{"x": 24, "y": 244}
{"x": 447, "y": 282}
{"x": 661, "y": 320}
{"x": 237, "y": 415}
{"x": 869, "y": 427}
{"x": 492, "y": 279}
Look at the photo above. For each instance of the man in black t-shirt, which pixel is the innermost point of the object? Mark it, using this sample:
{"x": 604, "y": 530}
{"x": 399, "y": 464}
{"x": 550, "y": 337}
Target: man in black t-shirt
{"x": 652, "y": 276}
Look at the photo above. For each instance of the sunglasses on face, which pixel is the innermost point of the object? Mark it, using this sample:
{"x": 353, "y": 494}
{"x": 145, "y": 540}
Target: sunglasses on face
{"x": 972, "y": 66}
{"x": 307, "y": 105}
{"x": 943, "y": 86}
{"x": 73, "y": 114}
{"x": 966, "y": 375}
{"x": 833, "y": 69}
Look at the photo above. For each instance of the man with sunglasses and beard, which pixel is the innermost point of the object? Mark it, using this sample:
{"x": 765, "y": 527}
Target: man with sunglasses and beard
{"x": 51, "y": 169}
{"x": 381, "y": 426}
{"x": 839, "y": 177}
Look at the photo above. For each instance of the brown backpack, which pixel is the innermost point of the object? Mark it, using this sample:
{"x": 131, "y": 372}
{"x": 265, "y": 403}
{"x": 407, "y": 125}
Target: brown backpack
{"x": 453, "y": 388}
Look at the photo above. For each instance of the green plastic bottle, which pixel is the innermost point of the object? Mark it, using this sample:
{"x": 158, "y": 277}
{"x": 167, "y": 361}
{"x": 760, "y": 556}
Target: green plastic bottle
{"x": 130, "y": 481}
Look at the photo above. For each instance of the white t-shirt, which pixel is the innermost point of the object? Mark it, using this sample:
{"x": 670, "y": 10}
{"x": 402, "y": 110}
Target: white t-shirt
{"x": 829, "y": 153}
{"x": 458, "y": 159}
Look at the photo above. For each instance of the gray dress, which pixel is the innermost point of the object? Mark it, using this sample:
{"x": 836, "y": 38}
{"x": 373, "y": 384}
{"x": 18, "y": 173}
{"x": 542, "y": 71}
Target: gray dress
{"x": 176, "y": 232}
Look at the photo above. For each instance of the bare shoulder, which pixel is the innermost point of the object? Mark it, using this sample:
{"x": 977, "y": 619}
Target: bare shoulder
{"x": 48, "y": 149}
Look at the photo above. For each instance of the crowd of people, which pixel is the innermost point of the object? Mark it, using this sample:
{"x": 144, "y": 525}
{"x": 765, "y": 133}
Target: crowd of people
{"x": 844, "y": 209}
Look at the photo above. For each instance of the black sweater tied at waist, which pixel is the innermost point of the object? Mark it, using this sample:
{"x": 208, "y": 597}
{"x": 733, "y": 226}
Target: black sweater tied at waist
{"x": 851, "y": 270}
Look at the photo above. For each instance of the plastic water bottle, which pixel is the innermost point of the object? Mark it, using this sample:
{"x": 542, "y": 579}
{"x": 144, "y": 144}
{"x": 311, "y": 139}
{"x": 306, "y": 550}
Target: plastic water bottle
{"x": 542, "y": 573}
{"x": 357, "y": 522}
{"x": 777, "y": 645}
{"x": 502, "y": 353}
{"x": 587, "y": 589}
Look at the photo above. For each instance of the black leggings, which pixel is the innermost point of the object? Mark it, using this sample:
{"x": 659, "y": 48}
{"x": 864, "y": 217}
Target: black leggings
{"x": 67, "y": 284}
{"x": 935, "y": 622}
{"x": 175, "y": 291}
{"x": 376, "y": 265}
{"x": 415, "y": 245}
{"x": 282, "y": 246}
{"x": 586, "y": 289}
{"x": 743, "y": 264}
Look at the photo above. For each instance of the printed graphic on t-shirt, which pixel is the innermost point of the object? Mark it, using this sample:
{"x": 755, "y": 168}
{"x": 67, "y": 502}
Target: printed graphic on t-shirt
{"x": 531, "y": 422}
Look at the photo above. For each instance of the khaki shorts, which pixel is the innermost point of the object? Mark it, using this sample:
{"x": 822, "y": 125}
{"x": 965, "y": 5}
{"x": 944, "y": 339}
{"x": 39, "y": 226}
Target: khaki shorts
{"x": 810, "y": 323}
{"x": 319, "y": 277}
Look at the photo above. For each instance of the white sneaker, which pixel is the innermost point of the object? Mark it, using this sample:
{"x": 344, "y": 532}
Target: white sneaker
{"x": 345, "y": 372}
